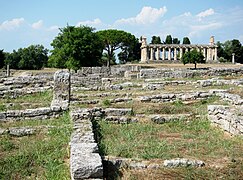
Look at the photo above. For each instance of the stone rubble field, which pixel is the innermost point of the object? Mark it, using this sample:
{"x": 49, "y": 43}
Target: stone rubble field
{"x": 131, "y": 122}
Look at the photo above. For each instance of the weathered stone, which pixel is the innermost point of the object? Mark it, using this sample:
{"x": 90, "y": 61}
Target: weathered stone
{"x": 21, "y": 131}
{"x": 120, "y": 119}
{"x": 153, "y": 86}
{"x": 117, "y": 111}
{"x": 183, "y": 162}
{"x": 85, "y": 162}
{"x": 61, "y": 90}
{"x": 3, "y": 131}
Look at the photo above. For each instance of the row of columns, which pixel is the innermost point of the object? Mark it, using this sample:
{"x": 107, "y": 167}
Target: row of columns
{"x": 153, "y": 53}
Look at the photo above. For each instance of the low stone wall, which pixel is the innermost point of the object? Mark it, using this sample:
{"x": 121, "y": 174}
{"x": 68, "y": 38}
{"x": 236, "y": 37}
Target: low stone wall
{"x": 85, "y": 161}
{"x": 25, "y": 84}
{"x": 173, "y": 97}
{"x": 38, "y": 113}
{"x": 229, "y": 118}
{"x": 186, "y": 73}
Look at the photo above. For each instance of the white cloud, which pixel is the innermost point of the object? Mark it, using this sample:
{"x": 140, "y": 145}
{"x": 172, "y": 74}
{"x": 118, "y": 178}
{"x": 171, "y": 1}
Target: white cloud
{"x": 95, "y": 22}
{"x": 147, "y": 15}
{"x": 12, "y": 24}
{"x": 206, "y": 13}
{"x": 198, "y": 29}
{"x": 37, "y": 25}
{"x": 53, "y": 28}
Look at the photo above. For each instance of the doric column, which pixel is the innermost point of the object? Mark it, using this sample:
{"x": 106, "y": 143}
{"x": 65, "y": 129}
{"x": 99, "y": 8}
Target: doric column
{"x": 181, "y": 52}
{"x": 233, "y": 58}
{"x": 163, "y": 53}
{"x": 208, "y": 54}
{"x": 204, "y": 53}
{"x": 169, "y": 54}
{"x": 215, "y": 54}
{"x": 175, "y": 54}
{"x": 151, "y": 53}
{"x": 158, "y": 53}
{"x": 144, "y": 50}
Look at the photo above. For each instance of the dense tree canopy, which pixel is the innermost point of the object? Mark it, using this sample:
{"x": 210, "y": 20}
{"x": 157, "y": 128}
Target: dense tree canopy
{"x": 186, "y": 40}
{"x": 2, "y": 58}
{"x": 156, "y": 40}
{"x": 32, "y": 57}
{"x": 193, "y": 57}
{"x": 116, "y": 39}
{"x": 168, "y": 39}
{"x": 176, "y": 41}
{"x": 75, "y": 47}
{"x": 226, "y": 49}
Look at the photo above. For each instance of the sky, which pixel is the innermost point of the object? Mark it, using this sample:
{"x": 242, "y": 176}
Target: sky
{"x": 30, "y": 22}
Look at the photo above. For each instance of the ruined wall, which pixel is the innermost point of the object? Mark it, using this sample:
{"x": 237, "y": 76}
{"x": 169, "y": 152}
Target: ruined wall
{"x": 186, "y": 73}
{"x": 229, "y": 118}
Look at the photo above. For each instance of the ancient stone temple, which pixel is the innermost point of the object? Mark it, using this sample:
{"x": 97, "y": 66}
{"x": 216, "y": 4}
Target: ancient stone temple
{"x": 174, "y": 52}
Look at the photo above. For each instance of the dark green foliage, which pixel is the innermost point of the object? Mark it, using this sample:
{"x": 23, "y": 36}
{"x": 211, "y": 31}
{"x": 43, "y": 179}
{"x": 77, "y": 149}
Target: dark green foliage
{"x": 116, "y": 39}
{"x": 2, "y": 58}
{"x": 76, "y": 47}
{"x": 176, "y": 41}
{"x": 32, "y": 57}
{"x": 156, "y": 40}
{"x": 226, "y": 49}
{"x": 193, "y": 57}
{"x": 186, "y": 40}
{"x": 168, "y": 39}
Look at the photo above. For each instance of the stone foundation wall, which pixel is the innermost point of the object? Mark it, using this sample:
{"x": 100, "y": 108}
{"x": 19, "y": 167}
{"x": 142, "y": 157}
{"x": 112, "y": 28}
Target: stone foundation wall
{"x": 229, "y": 118}
{"x": 186, "y": 73}
{"x": 38, "y": 113}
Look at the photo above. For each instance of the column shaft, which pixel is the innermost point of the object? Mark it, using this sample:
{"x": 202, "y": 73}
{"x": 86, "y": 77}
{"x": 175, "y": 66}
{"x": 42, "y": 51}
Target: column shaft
{"x": 175, "y": 54}
{"x": 169, "y": 54}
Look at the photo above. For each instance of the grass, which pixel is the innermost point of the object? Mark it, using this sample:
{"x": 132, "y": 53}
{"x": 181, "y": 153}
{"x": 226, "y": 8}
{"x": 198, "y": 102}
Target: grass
{"x": 40, "y": 99}
{"x": 195, "y": 139}
{"x": 40, "y": 156}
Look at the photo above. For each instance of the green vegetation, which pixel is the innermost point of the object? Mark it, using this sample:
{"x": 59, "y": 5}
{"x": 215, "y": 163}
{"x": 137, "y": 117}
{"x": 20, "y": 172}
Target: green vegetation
{"x": 75, "y": 47}
{"x": 193, "y": 57}
{"x": 116, "y": 39}
{"x": 106, "y": 102}
{"x": 32, "y": 57}
{"x": 186, "y": 40}
{"x": 40, "y": 156}
{"x": 226, "y": 49}
{"x": 184, "y": 139}
{"x": 40, "y": 99}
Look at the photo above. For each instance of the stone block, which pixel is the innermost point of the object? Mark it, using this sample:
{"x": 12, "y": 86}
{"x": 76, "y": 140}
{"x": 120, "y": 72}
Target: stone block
{"x": 117, "y": 111}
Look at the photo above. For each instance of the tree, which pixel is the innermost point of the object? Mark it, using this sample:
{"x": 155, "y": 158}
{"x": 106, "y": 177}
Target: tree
{"x": 130, "y": 53}
{"x": 193, "y": 57}
{"x": 116, "y": 39}
{"x": 32, "y": 57}
{"x": 2, "y": 58}
{"x": 156, "y": 40}
{"x": 226, "y": 49}
{"x": 186, "y": 40}
{"x": 75, "y": 47}
{"x": 168, "y": 39}
{"x": 237, "y": 50}
{"x": 176, "y": 41}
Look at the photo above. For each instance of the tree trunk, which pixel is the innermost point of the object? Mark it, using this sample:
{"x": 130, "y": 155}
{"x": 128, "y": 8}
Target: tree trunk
{"x": 108, "y": 62}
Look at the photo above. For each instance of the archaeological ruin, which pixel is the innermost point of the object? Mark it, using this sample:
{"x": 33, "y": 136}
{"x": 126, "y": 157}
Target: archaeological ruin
{"x": 131, "y": 95}
{"x": 173, "y": 52}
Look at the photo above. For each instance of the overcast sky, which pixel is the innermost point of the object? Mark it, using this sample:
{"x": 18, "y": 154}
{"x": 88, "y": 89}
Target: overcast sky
{"x": 26, "y": 22}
